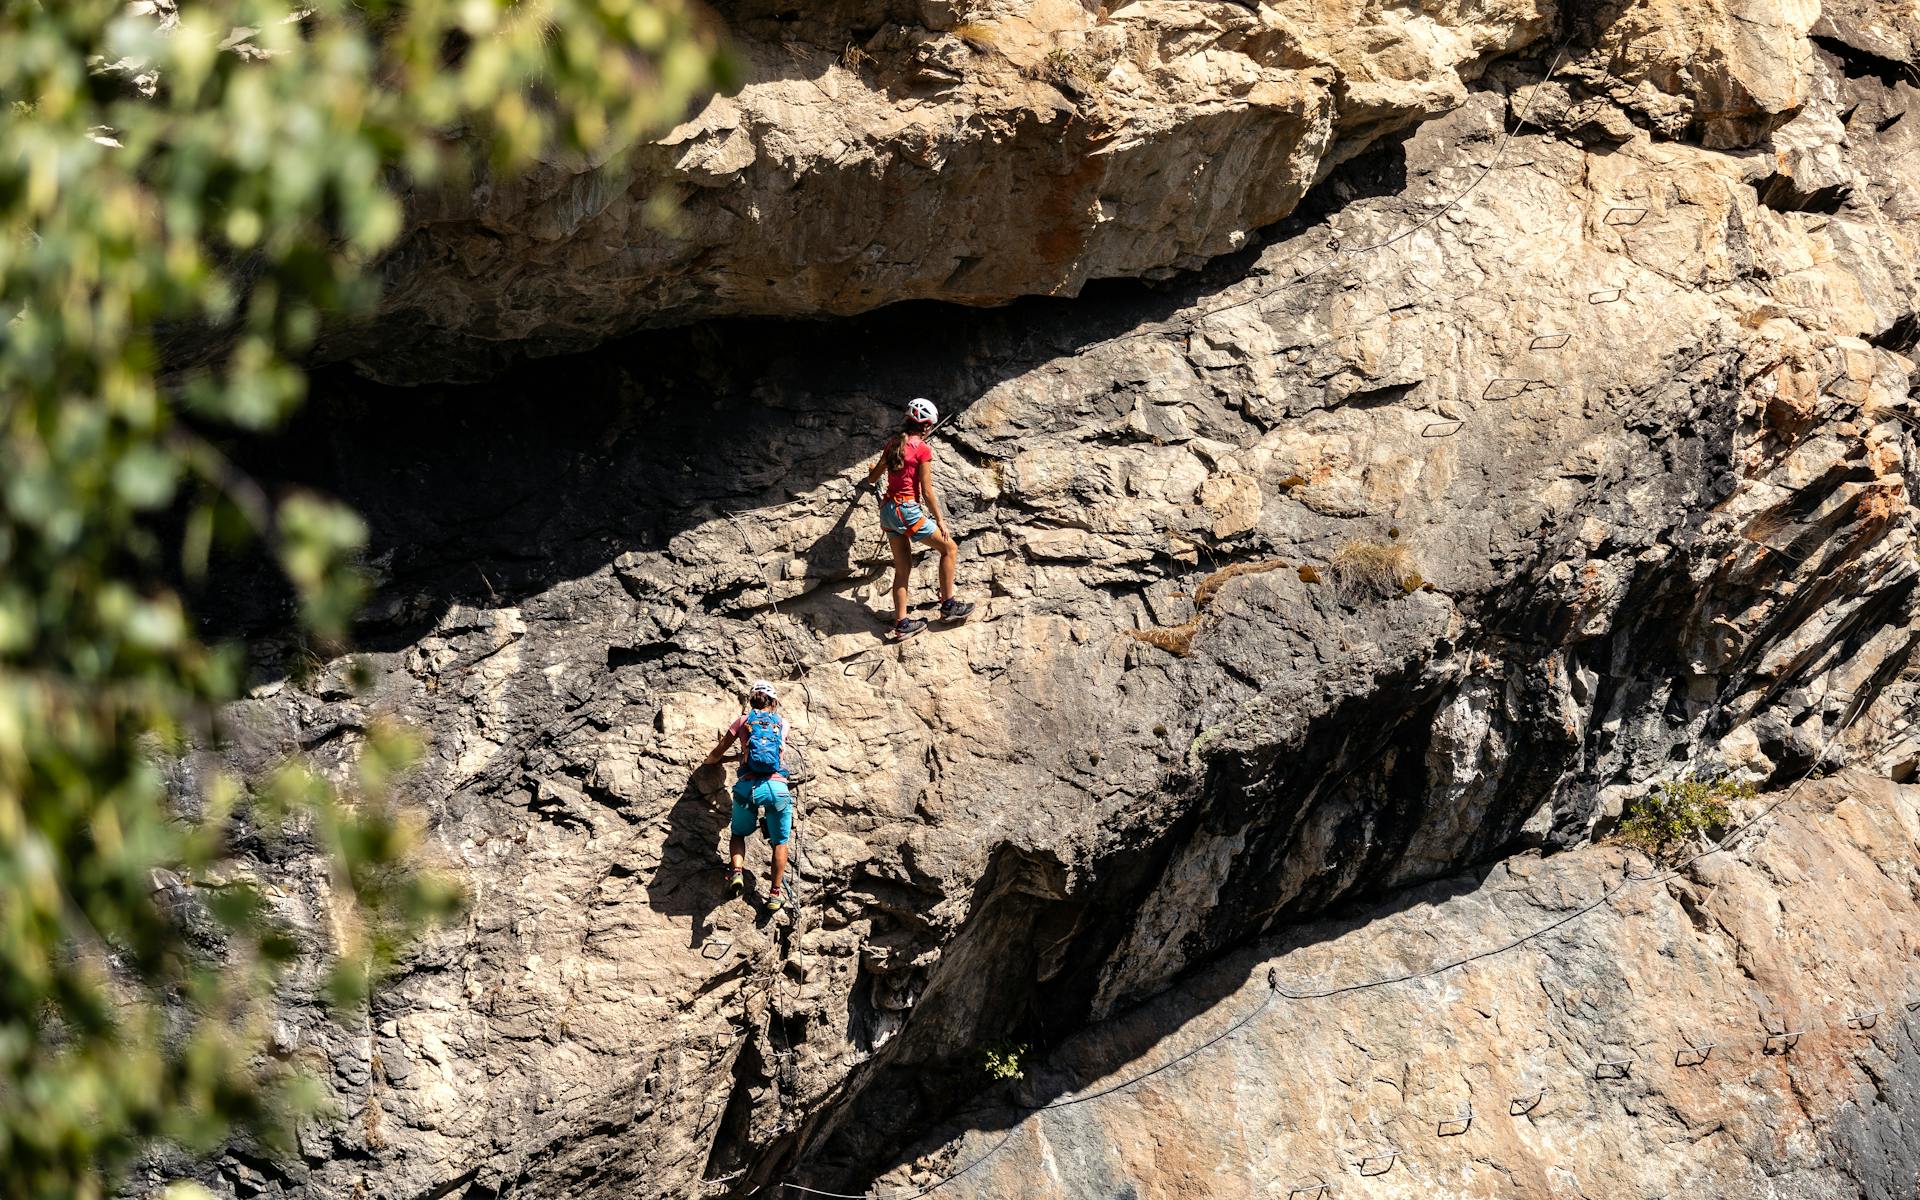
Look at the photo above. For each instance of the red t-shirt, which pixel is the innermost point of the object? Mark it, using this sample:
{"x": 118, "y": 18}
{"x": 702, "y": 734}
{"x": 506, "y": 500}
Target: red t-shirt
{"x": 739, "y": 730}
{"x": 904, "y": 484}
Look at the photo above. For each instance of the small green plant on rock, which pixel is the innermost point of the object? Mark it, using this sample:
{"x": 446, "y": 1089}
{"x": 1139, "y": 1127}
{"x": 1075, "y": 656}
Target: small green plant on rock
{"x": 1074, "y": 70}
{"x": 1666, "y": 821}
{"x": 1002, "y": 1061}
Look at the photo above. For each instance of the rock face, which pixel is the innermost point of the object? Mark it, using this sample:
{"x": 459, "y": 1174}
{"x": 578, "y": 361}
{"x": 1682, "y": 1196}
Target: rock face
{"x": 1627, "y": 1054}
{"x": 1509, "y": 477}
{"x": 963, "y": 152}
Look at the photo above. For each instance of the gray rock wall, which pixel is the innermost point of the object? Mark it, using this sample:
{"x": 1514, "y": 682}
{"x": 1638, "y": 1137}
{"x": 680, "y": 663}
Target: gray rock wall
{"x": 1312, "y": 578}
{"x": 1625, "y": 1053}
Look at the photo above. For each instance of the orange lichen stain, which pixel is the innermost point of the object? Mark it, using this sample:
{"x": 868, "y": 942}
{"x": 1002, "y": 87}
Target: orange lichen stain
{"x": 1879, "y": 503}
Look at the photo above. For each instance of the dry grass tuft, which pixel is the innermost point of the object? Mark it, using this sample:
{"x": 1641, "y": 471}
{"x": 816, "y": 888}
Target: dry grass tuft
{"x": 977, "y": 34}
{"x": 1373, "y": 570}
{"x": 854, "y": 58}
{"x": 1309, "y": 575}
{"x": 1177, "y": 641}
{"x": 1211, "y": 585}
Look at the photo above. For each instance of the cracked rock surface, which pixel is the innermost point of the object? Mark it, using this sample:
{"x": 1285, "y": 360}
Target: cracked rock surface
{"x": 1505, "y": 479}
{"x": 968, "y": 152}
{"x": 1648, "y": 1050}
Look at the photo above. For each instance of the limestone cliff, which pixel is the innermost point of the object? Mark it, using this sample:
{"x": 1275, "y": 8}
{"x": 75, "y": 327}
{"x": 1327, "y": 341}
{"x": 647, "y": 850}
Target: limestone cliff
{"x": 1750, "y": 1031}
{"x": 1521, "y": 467}
{"x": 954, "y": 151}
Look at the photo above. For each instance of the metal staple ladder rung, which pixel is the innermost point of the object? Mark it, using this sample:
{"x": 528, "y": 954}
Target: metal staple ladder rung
{"x": 1613, "y": 1068}
{"x": 1370, "y": 1165}
{"x": 1694, "y": 1056}
{"x": 1509, "y": 389}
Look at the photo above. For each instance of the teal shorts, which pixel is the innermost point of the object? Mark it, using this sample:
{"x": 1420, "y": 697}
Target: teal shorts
{"x": 767, "y": 800}
{"x": 907, "y": 520}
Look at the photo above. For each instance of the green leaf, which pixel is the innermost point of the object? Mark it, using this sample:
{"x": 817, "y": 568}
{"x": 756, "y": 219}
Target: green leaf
{"x": 183, "y": 212}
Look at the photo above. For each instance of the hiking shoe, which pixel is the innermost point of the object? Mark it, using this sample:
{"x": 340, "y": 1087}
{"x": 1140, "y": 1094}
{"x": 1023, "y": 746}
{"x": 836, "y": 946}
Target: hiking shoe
{"x": 907, "y": 628}
{"x": 739, "y": 884}
{"x": 954, "y": 610}
{"x": 776, "y": 900}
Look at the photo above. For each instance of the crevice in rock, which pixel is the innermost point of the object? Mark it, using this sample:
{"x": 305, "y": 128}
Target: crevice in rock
{"x": 1782, "y": 193}
{"x": 1900, "y": 337}
{"x": 1863, "y": 64}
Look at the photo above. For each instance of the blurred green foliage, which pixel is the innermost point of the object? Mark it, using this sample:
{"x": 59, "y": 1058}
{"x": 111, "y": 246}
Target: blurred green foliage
{"x": 187, "y": 187}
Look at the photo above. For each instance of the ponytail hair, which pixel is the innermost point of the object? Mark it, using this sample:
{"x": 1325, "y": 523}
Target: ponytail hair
{"x": 896, "y": 448}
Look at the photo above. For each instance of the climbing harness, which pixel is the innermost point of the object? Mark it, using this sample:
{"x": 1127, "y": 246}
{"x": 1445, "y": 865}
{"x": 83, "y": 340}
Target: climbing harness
{"x": 906, "y": 529}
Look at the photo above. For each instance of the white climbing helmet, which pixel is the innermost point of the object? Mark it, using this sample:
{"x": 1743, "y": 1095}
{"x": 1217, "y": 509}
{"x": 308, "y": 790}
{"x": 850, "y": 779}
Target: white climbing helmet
{"x": 762, "y": 688}
{"x": 922, "y": 410}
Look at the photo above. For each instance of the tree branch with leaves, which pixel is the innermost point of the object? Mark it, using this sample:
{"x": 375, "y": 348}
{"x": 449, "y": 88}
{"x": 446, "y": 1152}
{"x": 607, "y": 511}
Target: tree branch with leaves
{"x": 189, "y": 191}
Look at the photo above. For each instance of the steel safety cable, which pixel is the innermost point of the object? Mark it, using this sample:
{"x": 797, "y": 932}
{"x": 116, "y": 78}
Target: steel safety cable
{"x": 1631, "y": 881}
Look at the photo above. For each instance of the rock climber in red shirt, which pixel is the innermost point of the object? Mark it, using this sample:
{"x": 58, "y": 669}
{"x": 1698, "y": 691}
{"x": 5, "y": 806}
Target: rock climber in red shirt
{"x": 907, "y": 462}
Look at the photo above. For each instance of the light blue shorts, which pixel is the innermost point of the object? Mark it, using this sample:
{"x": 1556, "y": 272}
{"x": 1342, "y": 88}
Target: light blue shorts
{"x": 767, "y": 803}
{"x": 907, "y": 520}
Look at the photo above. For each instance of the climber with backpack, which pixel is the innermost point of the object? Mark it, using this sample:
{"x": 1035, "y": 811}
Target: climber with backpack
{"x": 907, "y": 462}
{"x": 760, "y": 795}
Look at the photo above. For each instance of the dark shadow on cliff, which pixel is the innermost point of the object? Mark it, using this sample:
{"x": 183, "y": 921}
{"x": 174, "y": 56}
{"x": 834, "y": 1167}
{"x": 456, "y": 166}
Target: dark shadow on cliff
{"x": 691, "y": 879}
{"x": 941, "y": 1100}
{"x": 487, "y": 494}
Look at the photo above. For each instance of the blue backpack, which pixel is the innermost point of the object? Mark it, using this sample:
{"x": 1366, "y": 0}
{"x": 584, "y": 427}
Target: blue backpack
{"x": 765, "y": 733}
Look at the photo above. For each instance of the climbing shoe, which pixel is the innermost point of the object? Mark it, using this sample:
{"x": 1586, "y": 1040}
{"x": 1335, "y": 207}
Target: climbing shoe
{"x": 954, "y": 610}
{"x": 739, "y": 884}
{"x": 907, "y": 628}
{"x": 776, "y": 900}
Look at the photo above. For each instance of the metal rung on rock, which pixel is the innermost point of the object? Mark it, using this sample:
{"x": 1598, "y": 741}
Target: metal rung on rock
{"x": 715, "y": 949}
{"x": 1440, "y": 429}
{"x": 1613, "y": 1068}
{"x": 1694, "y": 1056}
{"x": 1605, "y": 295}
{"x": 1321, "y": 1188}
{"x": 1455, "y": 1126}
{"x": 1866, "y": 1018}
{"x": 1506, "y": 389}
{"x": 1780, "y": 1043}
{"x": 1624, "y": 216}
{"x": 1376, "y": 1164}
{"x": 1520, "y": 1106}
{"x": 1550, "y": 341}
